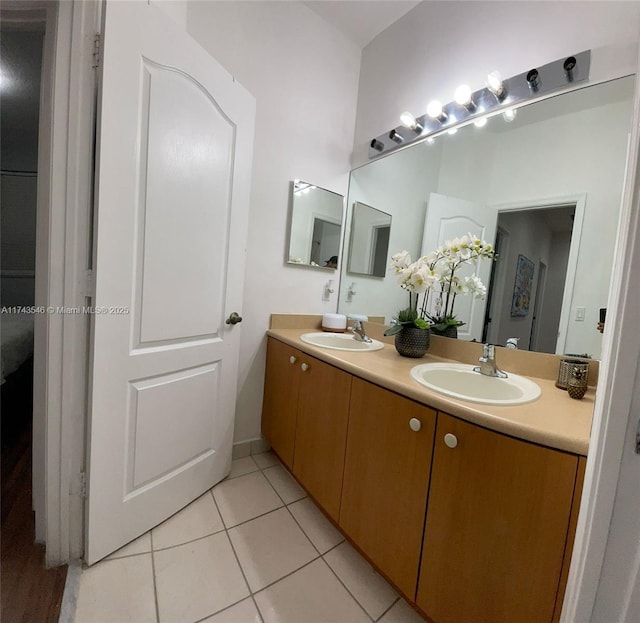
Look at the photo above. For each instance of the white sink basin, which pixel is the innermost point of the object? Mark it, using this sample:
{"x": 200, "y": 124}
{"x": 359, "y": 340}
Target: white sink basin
{"x": 458, "y": 380}
{"x": 340, "y": 341}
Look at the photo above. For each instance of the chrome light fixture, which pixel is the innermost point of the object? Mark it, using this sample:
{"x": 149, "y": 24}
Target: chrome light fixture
{"x": 497, "y": 96}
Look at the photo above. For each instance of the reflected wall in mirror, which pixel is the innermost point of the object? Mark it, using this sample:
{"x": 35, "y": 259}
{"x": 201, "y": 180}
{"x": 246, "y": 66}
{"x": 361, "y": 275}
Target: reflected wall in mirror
{"x": 568, "y": 152}
{"x": 369, "y": 241}
{"x": 316, "y": 226}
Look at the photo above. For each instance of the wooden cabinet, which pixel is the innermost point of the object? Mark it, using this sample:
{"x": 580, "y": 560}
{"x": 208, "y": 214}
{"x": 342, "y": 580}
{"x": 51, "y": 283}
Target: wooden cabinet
{"x": 321, "y": 432}
{"x": 280, "y": 402}
{"x": 304, "y": 418}
{"x": 496, "y": 529}
{"x": 386, "y": 477}
{"x": 496, "y": 541}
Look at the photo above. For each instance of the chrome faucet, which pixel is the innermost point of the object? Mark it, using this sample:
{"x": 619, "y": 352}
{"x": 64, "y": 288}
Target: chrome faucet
{"x": 488, "y": 365}
{"x": 358, "y": 332}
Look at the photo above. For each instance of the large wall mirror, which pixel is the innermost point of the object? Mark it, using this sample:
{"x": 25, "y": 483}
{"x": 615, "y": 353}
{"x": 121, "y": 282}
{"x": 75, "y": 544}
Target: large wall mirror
{"x": 315, "y": 226}
{"x": 545, "y": 187}
{"x": 369, "y": 241}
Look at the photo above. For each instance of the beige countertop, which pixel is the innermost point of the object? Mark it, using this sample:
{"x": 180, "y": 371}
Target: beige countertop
{"x": 554, "y": 420}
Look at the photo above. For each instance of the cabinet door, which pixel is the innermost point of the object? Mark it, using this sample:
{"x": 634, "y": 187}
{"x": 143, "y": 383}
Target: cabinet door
{"x": 497, "y": 523}
{"x": 280, "y": 403}
{"x": 386, "y": 479}
{"x": 321, "y": 431}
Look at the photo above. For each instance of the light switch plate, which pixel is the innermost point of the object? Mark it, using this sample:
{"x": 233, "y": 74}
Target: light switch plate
{"x": 580, "y": 313}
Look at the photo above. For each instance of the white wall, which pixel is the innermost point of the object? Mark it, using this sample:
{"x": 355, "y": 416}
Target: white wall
{"x": 439, "y": 44}
{"x": 304, "y": 76}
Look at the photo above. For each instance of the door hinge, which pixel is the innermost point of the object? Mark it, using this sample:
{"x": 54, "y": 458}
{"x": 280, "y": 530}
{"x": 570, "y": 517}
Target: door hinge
{"x": 79, "y": 486}
{"x": 89, "y": 284}
{"x": 96, "y": 51}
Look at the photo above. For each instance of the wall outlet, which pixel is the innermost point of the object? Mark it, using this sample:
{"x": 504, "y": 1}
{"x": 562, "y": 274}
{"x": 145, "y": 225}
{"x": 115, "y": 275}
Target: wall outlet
{"x": 580, "y": 313}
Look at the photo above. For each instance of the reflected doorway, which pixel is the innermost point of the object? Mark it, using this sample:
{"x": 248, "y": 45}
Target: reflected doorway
{"x": 543, "y": 235}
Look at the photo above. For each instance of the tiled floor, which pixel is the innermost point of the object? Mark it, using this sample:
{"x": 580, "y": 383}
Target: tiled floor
{"x": 253, "y": 549}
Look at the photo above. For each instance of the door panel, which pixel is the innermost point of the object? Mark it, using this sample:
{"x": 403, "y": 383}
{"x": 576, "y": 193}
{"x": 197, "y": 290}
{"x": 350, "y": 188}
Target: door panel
{"x": 186, "y": 155}
{"x": 175, "y": 134}
{"x": 448, "y": 218}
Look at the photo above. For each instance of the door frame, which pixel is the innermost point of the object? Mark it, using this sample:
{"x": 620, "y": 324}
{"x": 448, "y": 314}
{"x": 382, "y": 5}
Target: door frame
{"x": 612, "y": 429}
{"x": 580, "y": 202}
{"x": 63, "y": 256}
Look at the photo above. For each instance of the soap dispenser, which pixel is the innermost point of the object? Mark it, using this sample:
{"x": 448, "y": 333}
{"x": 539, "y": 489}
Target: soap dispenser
{"x": 577, "y": 386}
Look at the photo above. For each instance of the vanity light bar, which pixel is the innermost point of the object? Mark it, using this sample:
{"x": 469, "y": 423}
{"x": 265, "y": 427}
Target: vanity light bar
{"x": 529, "y": 85}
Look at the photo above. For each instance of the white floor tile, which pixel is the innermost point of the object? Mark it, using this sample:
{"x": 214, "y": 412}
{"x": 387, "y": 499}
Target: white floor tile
{"x": 200, "y": 518}
{"x": 270, "y": 547}
{"x": 197, "y": 579}
{"x": 323, "y": 534}
{"x": 401, "y": 612}
{"x": 244, "y": 498}
{"x": 310, "y": 595}
{"x": 141, "y": 545}
{"x": 284, "y": 484}
{"x": 117, "y": 590}
{"x": 372, "y": 591}
{"x": 266, "y": 459}
{"x": 243, "y": 612}
{"x": 240, "y": 467}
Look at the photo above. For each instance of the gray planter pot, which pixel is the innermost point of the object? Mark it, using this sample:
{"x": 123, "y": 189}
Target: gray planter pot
{"x": 413, "y": 342}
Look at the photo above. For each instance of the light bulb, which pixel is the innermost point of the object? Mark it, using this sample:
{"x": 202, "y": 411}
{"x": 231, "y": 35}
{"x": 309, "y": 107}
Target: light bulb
{"x": 463, "y": 95}
{"x": 495, "y": 84}
{"x": 408, "y": 120}
{"x": 434, "y": 110}
{"x": 480, "y": 123}
{"x": 509, "y": 114}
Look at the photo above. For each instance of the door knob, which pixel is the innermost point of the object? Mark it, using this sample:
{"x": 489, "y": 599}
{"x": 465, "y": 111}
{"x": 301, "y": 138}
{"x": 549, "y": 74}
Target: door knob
{"x": 234, "y": 318}
{"x": 304, "y": 366}
{"x": 292, "y": 359}
{"x": 415, "y": 424}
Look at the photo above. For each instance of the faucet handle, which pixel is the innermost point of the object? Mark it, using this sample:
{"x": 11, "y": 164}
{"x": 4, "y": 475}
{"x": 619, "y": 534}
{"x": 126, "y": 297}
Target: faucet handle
{"x": 489, "y": 351}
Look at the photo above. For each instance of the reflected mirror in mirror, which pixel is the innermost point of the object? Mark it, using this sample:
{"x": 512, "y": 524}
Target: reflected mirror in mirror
{"x": 316, "y": 226}
{"x": 560, "y": 159}
{"x": 369, "y": 241}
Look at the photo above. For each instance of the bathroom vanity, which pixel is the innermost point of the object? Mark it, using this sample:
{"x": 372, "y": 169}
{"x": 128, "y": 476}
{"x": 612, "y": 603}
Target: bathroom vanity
{"x": 468, "y": 509}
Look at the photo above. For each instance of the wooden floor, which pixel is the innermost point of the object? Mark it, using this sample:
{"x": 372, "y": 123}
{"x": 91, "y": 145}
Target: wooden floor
{"x": 30, "y": 593}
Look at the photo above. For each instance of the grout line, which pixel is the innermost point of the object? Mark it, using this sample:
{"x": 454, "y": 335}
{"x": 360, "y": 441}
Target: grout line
{"x": 346, "y": 589}
{"x": 395, "y": 601}
{"x": 284, "y": 577}
{"x": 235, "y": 603}
{"x": 233, "y": 549}
{"x": 153, "y": 577}
{"x": 199, "y": 538}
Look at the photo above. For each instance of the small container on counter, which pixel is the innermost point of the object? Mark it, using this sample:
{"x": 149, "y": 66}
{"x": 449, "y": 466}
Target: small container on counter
{"x": 565, "y": 371}
{"x": 334, "y": 323}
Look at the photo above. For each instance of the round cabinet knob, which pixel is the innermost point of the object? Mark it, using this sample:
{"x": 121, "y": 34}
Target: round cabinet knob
{"x": 415, "y": 424}
{"x": 292, "y": 359}
{"x": 304, "y": 366}
{"x": 450, "y": 440}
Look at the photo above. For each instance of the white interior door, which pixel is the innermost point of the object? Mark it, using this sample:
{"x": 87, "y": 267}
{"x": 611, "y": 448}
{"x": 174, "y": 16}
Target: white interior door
{"x": 175, "y": 135}
{"x": 448, "y": 218}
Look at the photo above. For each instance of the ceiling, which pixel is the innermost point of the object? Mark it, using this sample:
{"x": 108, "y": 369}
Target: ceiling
{"x": 361, "y": 20}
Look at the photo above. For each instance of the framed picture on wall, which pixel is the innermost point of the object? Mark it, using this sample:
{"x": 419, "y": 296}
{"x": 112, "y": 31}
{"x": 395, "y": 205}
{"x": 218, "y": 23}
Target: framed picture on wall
{"x": 522, "y": 288}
